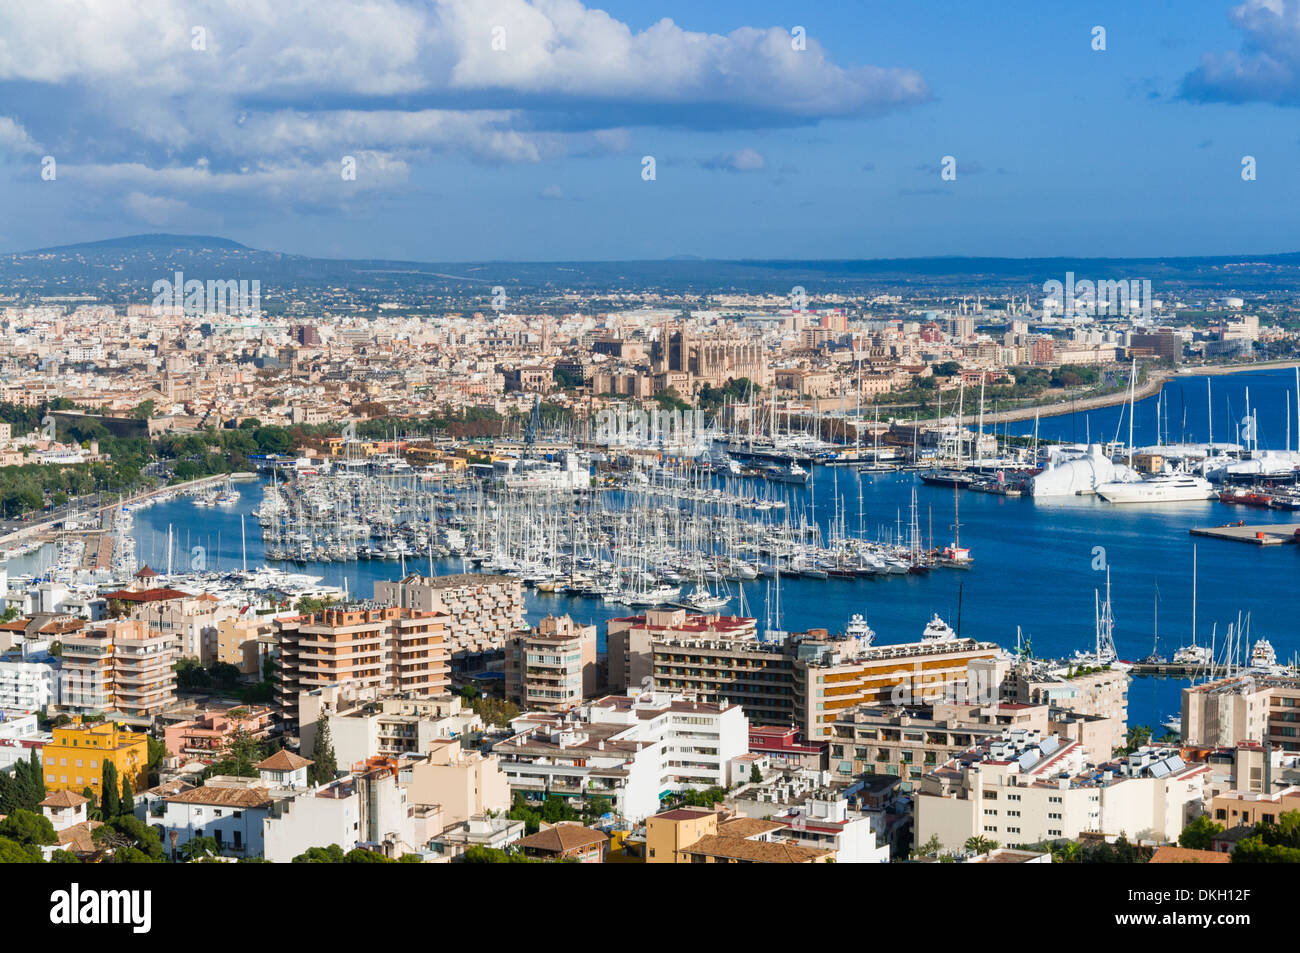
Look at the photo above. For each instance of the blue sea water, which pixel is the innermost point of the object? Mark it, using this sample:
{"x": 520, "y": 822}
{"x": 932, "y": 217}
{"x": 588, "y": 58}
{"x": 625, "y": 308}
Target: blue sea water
{"x": 1038, "y": 564}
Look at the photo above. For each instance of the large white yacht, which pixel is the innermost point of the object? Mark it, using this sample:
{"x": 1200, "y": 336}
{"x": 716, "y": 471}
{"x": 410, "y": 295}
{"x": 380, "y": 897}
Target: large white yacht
{"x": 1161, "y": 488}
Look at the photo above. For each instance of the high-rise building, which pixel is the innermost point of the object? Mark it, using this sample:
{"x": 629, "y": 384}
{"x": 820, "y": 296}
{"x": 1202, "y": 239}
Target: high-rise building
{"x": 362, "y": 646}
{"x": 121, "y": 667}
{"x": 553, "y": 666}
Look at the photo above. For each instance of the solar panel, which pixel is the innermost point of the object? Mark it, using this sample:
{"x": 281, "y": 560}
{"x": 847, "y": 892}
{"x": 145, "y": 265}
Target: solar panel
{"x": 1027, "y": 759}
{"x": 1048, "y": 745}
{"x": 1159, "y": 770}
{"x": 1175, "y": 763}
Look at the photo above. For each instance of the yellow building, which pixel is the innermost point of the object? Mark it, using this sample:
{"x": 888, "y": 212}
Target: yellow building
{"x": 75, "y": 759}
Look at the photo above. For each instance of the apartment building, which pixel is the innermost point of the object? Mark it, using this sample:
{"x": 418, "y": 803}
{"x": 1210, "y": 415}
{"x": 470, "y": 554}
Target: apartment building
{"x": 785, "y": 750}
{"x": 908, "y": 742}
{"x": 809, "y": 679}
{"x": 206, "y": 737}
{"x": 693, "y": 836}
{"x": 20, "y": 737}
{"x": 1243, "y": 708}
{"x": 121, "y": 667}
{"x": 241, "y": 641}
{"x": 1238, "y": 808}
{"x": 552, "y": 667}
{"x": 629, "y": 749}
{"x": 482, "y": 611}
{"x": 1024, "y": 787}
{"x": 1101, "y": 693}
{"x": 75, "y": 758}
{"x": 30, "y": 684}
{"x": 629, "y": 640}
{"x": 191, "y": 620}
{"x": 463, "y": 783}
{"x": 365, "y": 646}
{"x": 825, "y": 822}
{"x": 389, "y": 726}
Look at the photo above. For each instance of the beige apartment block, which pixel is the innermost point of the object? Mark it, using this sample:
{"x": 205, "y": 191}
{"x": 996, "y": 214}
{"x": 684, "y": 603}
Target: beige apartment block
{"x": 362, "y": 646}
{"x": 123, "y": 667}
{"x": 553, "y": 666}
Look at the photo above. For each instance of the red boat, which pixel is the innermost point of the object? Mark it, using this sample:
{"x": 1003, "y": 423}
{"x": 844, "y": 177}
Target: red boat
{"x": 1246, "y": 498}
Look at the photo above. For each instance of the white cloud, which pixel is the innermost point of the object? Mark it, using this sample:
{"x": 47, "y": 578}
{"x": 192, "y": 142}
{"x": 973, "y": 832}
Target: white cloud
{"x": 14, "y": 138}
{"x": 742, "y": 160}
{"x": 1265, "y": 69}
{"x": 284, "y": 89}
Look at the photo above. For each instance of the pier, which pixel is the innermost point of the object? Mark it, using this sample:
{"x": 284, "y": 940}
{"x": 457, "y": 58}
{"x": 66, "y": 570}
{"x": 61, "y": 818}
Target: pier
{"x": 1270, "y": 534}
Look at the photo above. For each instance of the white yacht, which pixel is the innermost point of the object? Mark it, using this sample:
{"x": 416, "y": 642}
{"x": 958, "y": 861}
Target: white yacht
{"x": 1262, "y": 655}
{"x": 1193, "y": 655}
{"x": 937, "y": 630}
{"x": 858, "y": 629}
{"x": 704, "y": 601}
{"x": 1161, "y": 488}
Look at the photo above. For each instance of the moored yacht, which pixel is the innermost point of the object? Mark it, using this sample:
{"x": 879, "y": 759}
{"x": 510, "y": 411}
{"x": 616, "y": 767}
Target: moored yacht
{"x": 1161, "y": 488}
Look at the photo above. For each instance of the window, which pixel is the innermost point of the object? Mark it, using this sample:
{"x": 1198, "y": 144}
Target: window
{"x": 652, "y": 851}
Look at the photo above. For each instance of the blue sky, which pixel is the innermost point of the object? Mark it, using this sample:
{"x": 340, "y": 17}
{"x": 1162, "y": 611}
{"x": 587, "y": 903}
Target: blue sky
{"x": 534, "y": 152}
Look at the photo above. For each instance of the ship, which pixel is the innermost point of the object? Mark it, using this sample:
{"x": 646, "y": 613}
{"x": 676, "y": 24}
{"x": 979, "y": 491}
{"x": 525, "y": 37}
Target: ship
{"x": 936, "y": 630}
{"x": 789, "y": 473}
{"x": 1245, "y": 497}
{"x": 1262, "y": 655}
{"x": 858, "y": 629}
{"x": 1161, "y": 488}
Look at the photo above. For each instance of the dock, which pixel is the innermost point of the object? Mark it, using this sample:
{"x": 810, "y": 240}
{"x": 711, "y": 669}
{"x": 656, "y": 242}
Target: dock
{"x": 1166, "y": 670}
{"x": 1270, "y": 534}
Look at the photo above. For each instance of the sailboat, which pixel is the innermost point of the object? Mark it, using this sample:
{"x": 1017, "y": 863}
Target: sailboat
{"x": 1155, "y": 658}
{"x": 1104, "y": 654}
{"x": 954, "y": 556}
{"x": 1198, "y": 655}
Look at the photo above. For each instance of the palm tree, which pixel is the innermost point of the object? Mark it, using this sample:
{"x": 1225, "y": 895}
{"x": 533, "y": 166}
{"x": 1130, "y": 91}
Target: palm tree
{"x": 979, "y": 845}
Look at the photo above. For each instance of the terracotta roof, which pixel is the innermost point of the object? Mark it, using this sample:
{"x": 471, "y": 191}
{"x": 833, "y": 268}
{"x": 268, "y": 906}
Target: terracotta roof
{"x": 754, "y": 851}
{"x": 65, "y": 799}
{"x": 79, "y": 838}
{"x": 1186, "y": 855}
{"x": 222, "y": 797}
{"x": 174, "y": 786}
{"x": 748, "y": 827}
{"x": 283, "y": 760}
{"x": 563, "y": 838}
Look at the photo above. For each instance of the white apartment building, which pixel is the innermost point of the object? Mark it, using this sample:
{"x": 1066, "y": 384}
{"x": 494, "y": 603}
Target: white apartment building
{"x": 20, "y": 735}
{"x": 1025, "y": 787}
{"x": 631, "y": 749}
{"x": 29, "y": 685}
{"x": 825, "y": 821}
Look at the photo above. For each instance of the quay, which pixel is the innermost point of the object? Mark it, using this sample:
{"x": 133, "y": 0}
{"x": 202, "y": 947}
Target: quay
{"x": 1273, "y": 534}
{"x": 1165, "y": 670}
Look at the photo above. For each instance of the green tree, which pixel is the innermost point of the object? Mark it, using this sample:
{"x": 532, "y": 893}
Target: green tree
{"x": 197, "y": 848}
{"x": 333, "y": 854}
{"x": 130, "y": 840}
{"x": 243, "y": 752}
{"x": 110, "y": 800}
{"x": 324, "y": 765}
{"x": 12, "y": 852}
{"x": 930, "y": 847}
{"x": 128, "y": 797}
{"x": 755, "y": 776}
{"x": 979, "y": 845}
{"x": 1199, "y": 834}
{"x": 27, "y": 827}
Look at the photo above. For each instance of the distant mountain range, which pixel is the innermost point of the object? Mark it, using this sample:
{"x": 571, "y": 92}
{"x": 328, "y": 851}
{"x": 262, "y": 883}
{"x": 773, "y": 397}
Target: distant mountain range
{"x": 123, "y": 269}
